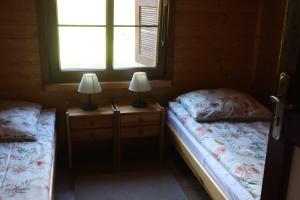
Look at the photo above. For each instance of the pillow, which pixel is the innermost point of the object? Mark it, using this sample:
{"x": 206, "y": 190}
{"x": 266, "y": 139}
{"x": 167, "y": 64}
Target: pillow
{"x": 18, "y": 121}
{"x": 223, "y": 104}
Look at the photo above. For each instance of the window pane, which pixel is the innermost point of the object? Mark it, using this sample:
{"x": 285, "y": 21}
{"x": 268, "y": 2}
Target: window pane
{"x": 132, "y": 12}
{"x": 135, "y": 47}
{"x": 82, "y": 48}
{"x": 81, "y": 12}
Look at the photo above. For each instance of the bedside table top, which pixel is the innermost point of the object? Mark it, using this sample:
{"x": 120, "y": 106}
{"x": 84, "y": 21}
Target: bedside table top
{"x": 102, "y": 110}
{"x": 126, "y": 107}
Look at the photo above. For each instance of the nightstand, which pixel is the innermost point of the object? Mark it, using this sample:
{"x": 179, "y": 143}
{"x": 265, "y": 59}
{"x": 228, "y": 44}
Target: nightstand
{"x": 140, "y": 123}
{"x": 91, "y": 126}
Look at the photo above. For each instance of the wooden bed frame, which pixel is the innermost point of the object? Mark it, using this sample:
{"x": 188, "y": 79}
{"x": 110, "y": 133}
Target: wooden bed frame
{"x": 52, "y": 183}
{"x": 205, "y": 179}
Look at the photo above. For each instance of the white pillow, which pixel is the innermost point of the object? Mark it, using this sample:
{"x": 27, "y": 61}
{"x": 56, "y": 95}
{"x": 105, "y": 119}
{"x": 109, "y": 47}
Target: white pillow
{"x": 223, "y": 104}
{"x": 18, "y": 121}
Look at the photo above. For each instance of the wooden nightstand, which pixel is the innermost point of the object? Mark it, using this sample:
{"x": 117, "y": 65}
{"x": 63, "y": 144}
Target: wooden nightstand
{"x": 140, "y": 123}
{"x": 91, "y": 126}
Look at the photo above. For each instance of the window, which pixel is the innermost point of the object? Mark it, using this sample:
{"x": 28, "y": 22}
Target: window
{"x": 113, "y": 38}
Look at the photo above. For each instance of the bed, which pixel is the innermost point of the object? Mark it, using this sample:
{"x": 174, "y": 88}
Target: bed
{"x": 227, "y": 157}
{"x": 27, "y": 168}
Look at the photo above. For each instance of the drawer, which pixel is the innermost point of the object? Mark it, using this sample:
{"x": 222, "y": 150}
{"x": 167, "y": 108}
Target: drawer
{"x": 91, "y": 122}
{"x": 91, "y": 135}
{"x": 137, "y": 132}
{"x": 140, "y": 119}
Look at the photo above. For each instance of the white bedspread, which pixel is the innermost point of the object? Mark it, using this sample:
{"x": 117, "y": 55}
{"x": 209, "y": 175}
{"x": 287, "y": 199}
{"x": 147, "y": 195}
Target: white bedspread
{"x": 25, "y": 168}
{"x": 233, "y": 152}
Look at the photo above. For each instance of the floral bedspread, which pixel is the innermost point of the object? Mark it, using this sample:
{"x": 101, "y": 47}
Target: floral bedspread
{"x": 25, "y": 168}
{"x": 239, "y": 147}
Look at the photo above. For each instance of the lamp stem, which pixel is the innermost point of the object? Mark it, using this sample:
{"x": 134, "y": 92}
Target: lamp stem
{"x": 140, "y": 97}
{"x": 139, "y": 103}
{"x": 89, "y": 99}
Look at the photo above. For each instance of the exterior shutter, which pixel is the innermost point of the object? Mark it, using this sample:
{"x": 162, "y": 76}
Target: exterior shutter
{"x": 146, "y": 37}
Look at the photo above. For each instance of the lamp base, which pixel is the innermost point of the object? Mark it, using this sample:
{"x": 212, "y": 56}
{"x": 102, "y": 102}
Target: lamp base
{"x": 139, "y": 104}
{"x": 89, "y": 107}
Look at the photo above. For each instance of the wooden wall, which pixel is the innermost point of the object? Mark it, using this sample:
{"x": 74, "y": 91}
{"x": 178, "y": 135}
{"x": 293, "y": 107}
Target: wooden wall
{"x": 215, "y": 45}
{"x": 214, "y": 42}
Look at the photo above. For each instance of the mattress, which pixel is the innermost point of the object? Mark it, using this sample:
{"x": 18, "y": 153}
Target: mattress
{"x": 26, "y": 168}
{"x": 232, "y": 153}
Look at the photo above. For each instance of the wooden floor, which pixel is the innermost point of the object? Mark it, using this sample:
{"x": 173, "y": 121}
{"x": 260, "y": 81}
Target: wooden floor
{"x": 64, "y": 189}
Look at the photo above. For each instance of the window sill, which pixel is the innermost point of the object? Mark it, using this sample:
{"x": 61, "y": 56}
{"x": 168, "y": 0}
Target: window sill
{"x": 105, "y": 85}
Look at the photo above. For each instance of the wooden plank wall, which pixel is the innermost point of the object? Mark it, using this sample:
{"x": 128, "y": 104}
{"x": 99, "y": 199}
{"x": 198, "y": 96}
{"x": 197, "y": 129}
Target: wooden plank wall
{"x": 214, "y": 42}
{"x": 214, "y": 46}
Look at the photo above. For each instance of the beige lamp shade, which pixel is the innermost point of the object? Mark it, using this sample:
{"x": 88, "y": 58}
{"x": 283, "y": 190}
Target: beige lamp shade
{"x": 139, "y": 82}
{"x": 89, "y": 84}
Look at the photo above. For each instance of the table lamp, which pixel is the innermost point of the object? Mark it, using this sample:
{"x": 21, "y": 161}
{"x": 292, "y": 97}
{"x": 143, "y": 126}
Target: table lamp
{"x": 139, "y": 83}
{"x": 89, "y": 85}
